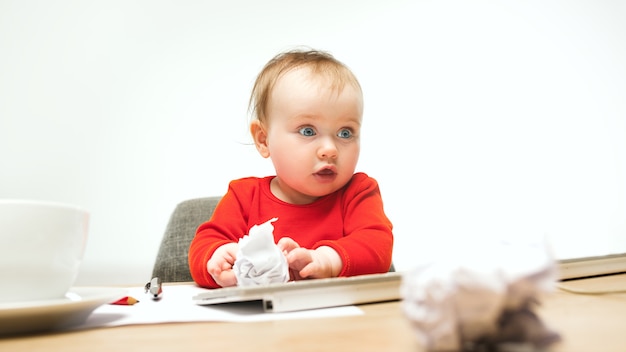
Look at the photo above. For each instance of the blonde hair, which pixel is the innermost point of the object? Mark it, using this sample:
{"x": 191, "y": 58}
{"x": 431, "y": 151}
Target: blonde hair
{"x": 320, "y": 63}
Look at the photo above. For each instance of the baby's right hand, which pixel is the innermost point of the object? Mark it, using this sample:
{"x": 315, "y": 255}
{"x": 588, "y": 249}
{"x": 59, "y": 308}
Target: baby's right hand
{"x": 220, "y": 266}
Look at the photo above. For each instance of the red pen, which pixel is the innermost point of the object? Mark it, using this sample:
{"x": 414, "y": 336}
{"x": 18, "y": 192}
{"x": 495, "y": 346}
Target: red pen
{"x": 125, "y": 301}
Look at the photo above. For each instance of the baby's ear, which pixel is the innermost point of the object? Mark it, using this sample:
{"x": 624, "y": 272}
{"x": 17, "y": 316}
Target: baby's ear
{"x": 259, "y": 135}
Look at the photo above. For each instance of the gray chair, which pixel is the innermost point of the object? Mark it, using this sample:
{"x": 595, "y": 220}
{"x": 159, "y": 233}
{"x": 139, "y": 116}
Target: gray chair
{"x": 171, "y": 263}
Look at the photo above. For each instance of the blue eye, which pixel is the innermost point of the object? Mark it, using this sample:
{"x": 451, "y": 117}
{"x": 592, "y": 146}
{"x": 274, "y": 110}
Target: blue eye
{"x": 345, "y": 133}
{"x": 307, "y": 131}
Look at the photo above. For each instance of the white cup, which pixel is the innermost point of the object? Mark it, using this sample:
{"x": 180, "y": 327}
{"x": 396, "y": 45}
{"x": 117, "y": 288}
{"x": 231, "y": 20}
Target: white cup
{"x": 41, "y": 248}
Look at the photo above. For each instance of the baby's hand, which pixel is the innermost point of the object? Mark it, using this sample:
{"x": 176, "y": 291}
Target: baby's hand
{"x": 305, "y": 263}
{"x": 220, "y": 266}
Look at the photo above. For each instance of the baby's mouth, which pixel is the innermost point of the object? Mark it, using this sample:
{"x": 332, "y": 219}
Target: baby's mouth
{"x": 326, "y": 172}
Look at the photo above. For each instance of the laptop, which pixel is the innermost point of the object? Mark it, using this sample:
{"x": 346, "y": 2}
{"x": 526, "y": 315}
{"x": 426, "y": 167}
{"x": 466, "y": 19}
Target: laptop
{"x": 310, "y": 294}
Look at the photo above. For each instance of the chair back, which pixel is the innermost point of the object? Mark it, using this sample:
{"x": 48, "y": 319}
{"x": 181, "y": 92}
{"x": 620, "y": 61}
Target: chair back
{"x": 171, "y": 263}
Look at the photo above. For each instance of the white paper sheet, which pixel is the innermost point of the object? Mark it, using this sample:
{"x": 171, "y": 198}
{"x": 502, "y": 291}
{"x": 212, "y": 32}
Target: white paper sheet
{"x": 176, "y": 305}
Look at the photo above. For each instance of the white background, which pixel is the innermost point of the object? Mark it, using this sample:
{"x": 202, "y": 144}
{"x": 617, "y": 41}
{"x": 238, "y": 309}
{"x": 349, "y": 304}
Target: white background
{"x": 483, "y": 119}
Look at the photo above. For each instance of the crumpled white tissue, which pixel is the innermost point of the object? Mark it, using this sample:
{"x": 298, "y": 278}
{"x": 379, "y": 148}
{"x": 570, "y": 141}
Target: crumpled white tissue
{"x": 259, "y": 260}
{"x": 481, "y": 298}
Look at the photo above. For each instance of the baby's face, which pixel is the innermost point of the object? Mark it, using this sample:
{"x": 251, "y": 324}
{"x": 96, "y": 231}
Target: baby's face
{"x": 313, "y": 135}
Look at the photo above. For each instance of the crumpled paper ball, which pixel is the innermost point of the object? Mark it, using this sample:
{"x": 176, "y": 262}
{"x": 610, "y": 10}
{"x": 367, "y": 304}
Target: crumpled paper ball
{"x": 481, "y": 300}
{"x": 259, "y": 260}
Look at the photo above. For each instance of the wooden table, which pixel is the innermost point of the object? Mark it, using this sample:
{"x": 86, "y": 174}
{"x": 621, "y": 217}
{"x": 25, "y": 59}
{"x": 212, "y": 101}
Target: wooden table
{"x": 585, "y": 322}
{"x": 589, "y": 322}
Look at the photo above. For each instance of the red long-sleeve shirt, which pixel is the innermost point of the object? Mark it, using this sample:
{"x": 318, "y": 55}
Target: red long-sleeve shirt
{"x": 351, "y": 221}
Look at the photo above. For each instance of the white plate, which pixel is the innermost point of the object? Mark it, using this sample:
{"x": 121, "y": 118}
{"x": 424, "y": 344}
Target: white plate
{"x": 55, "y": 314}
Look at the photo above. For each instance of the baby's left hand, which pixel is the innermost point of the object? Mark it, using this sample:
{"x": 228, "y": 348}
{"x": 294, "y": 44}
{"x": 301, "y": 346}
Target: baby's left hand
{"x": 305, "y": 263}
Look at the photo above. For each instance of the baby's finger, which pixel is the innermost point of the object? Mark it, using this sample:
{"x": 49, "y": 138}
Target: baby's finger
{"x": 226, "y": 278}
{"x": 308, "y": 271}
{"x": 299, "y": 258}
{"x": 287, "y": 244}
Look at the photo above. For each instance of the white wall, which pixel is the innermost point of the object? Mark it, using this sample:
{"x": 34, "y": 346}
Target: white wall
{"x": 482, "y": 119}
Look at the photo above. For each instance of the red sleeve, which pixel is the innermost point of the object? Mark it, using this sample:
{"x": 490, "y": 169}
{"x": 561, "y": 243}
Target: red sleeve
{"x": 226, "y": 225}
{"x": 367, "y": 245}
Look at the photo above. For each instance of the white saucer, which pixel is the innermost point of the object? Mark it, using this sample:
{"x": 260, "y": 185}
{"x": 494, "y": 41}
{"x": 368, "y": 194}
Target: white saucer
{"x": 55, "y": 314}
